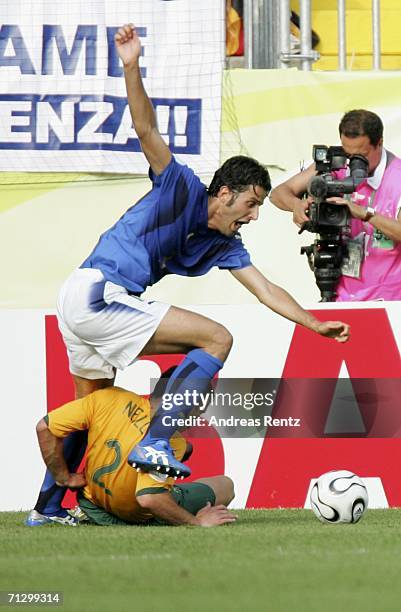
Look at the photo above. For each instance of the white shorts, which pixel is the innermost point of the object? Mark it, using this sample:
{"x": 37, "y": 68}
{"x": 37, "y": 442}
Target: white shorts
{"x": 102, "y": 325}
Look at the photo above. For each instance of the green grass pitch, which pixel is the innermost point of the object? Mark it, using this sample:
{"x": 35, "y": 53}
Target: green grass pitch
{"x": 269, "y": 560}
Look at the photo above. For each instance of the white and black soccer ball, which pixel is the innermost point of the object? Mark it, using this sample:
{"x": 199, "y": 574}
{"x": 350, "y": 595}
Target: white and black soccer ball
{"x": 339, "y": 497}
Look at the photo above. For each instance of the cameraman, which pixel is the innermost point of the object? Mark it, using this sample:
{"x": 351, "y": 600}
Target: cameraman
{"x": 374, "y": 207}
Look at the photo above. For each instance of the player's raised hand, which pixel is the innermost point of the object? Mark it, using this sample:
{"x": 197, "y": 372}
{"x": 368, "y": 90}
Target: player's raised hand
{"x": 128, "y": 44}
{"x": 334, "y": 329}
{"x": 212, "y": 516}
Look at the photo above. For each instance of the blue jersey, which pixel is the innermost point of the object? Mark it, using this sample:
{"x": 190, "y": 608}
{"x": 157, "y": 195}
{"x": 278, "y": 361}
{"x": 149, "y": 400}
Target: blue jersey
{"x": 165, "y": 232}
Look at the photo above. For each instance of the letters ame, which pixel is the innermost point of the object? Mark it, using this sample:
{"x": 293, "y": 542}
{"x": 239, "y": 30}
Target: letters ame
{"x": 54, "y": 42}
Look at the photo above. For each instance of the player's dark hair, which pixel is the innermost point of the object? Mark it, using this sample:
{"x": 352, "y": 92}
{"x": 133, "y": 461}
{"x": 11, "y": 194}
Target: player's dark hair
{"x": 238, "y": 173}
{"x": 360, "y": 122}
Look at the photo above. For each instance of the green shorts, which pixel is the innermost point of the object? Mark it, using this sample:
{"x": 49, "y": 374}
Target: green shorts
{"x": 192, "y": 496}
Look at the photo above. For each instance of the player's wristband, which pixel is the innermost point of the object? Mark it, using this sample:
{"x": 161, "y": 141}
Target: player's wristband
{"x": 370, "y": 212}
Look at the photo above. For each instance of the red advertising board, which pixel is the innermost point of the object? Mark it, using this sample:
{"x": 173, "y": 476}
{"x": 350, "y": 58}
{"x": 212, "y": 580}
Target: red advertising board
{"x": 287, "y": 463}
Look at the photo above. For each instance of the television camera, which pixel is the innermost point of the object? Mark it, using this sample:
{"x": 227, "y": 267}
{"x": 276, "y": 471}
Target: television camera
{"x": 331, "y": 222}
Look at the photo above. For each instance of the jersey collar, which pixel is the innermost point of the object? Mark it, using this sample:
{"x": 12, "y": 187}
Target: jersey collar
{"x": 375, "y": 180}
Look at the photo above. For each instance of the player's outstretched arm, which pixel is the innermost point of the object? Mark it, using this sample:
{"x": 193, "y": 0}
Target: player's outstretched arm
{"x": 51, "y": 448}
{"x": 278, "y": 300}
{"x": 163, "y": 506}
{"x": 287, "y": 195}
{"x": 143, "y": 116}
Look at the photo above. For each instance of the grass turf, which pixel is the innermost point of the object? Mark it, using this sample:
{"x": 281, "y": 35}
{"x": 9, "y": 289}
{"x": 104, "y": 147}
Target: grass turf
{"x": 270, "y": 560}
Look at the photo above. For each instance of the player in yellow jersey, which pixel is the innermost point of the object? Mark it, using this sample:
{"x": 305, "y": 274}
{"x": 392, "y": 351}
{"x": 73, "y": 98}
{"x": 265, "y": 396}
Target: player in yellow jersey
{"x": 110, "y": 491}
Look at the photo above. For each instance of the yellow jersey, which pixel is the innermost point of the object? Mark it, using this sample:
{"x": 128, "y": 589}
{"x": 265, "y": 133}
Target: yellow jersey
{"x": 116, "y": 421}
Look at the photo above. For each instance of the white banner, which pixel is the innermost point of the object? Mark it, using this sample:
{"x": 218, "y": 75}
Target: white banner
{"x": 62, "y": 94}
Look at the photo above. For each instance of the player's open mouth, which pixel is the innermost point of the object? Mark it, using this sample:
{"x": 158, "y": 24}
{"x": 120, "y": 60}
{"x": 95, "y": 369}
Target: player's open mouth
{"x": 238, "y": 224}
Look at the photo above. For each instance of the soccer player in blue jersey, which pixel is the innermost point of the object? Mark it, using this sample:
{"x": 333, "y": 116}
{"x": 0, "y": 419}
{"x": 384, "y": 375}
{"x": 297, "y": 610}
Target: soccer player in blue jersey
{"x": 179, "y": 227}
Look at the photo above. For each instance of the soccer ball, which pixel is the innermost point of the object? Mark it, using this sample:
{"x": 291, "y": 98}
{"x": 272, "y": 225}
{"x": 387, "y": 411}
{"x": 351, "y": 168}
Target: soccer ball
{"x": 339, "y": 497}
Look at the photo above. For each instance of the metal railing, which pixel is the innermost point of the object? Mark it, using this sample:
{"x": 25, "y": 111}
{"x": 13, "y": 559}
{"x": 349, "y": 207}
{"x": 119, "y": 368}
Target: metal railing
{"x": 268, "y": 35}
{"x": 307, "y": 55}
{"x": 376, "y": 40}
